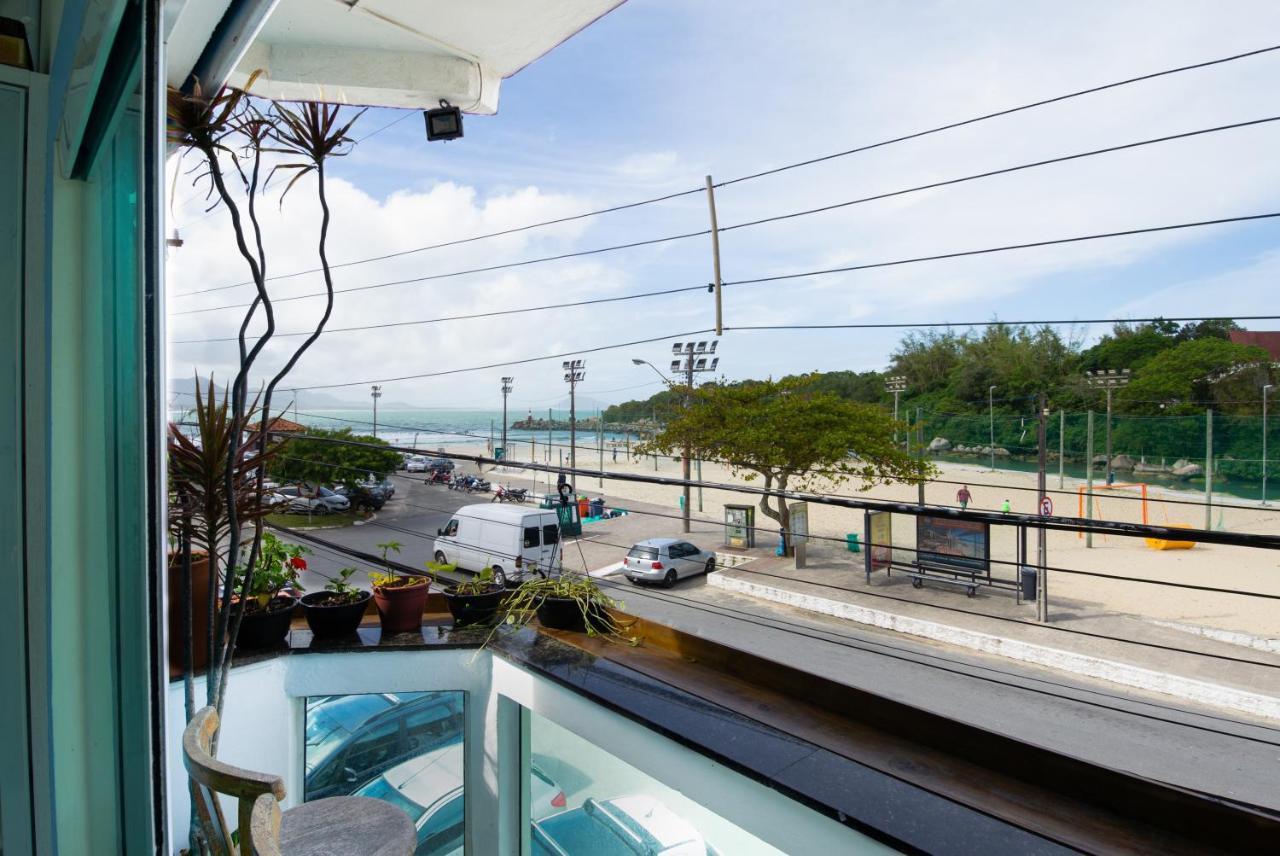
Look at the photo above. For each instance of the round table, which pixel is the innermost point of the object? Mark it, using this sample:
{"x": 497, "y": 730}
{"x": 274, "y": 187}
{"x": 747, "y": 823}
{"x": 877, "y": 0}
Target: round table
{"x": 345, "y": 826}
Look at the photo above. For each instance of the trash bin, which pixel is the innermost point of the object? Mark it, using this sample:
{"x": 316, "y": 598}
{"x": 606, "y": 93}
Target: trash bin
{"x": 584, "y": 507}
{"x": 597, "y": 507}
{"x": 851, "y": 542}
{"x": 1028, "y": 576}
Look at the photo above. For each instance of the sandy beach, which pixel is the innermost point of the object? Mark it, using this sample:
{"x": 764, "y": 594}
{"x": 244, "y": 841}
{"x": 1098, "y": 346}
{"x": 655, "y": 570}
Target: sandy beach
{"x": 1240, "y": 568}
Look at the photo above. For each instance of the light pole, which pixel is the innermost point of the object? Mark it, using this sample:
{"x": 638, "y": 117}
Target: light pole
{"x": 506, "y": 390}
{"x": 375, "y": 394}
{"x": 1265, "y": 389}
{"x": 691, "y": 358}
{"x": 295, "y": 405}
{"x": 574, "y": 372}
{"x": 1109, "y": 380}
{"x": 991, "y": 424}
{"x": 897, "y": 385}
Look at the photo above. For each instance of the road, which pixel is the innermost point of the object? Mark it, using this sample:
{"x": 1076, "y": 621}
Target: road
{"x": 1146, "y": 734}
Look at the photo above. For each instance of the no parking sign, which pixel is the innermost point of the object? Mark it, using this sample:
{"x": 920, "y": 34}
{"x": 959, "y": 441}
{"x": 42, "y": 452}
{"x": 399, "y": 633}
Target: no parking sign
{"x": 1046, "y": 506}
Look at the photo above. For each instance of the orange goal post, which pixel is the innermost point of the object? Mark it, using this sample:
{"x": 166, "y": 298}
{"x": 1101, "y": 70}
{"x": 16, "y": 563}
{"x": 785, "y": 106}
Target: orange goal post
{"x": 1099, "y": 489}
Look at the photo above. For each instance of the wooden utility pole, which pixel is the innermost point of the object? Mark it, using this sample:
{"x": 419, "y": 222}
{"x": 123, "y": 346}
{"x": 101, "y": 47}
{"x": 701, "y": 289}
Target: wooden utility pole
{"x": 715, "y": 254}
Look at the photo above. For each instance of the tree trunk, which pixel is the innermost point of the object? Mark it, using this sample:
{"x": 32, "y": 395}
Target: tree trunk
{"x": 781, "y": 514}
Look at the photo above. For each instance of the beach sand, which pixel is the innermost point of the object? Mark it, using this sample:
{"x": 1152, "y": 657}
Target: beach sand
{"x": 1241, "y": 568}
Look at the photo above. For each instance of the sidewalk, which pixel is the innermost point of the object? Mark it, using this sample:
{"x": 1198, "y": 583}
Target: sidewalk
{"x": 1168, "y": 660}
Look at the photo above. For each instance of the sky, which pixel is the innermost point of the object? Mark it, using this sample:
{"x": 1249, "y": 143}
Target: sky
{"x": 657, "y": 95}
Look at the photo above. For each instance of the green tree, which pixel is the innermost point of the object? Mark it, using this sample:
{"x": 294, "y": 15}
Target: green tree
{"x": 1182, "y": 378}
{"x": 788, "y": 434}
{"x": 312, "y": 459}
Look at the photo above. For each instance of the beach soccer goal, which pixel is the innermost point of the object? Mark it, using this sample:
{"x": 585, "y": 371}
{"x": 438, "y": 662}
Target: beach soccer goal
{"x": 1125, "y": 501}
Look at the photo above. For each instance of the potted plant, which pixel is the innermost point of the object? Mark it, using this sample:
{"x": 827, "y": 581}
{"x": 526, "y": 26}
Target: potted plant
{"x": 337, "y": 610}
{"x": 272, "y": 593}
{"x": 569, "y": 602}
{"x": 401, "y": 599}
{"x": 476, "y": 601}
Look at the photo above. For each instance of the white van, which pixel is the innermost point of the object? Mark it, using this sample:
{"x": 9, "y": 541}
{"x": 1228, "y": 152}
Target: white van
{"x": 513, "y": 541}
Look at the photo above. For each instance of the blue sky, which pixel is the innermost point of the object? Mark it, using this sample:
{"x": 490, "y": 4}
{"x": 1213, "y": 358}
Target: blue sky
{"x": 658, "y": 94}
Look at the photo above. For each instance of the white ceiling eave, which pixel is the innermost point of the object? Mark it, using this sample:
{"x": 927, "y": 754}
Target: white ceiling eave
{"x": 380, "y": 78}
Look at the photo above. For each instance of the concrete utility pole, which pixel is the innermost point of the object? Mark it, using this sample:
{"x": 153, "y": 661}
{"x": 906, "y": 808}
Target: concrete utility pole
{"x": 376, "y": 393}
{"x": 1088, "y": 478}
{"x": 1042, "y": 547}
{"x": 920, "y": 453}
{"x": 1208, "y": 468}
{"x": 897, "y": 385}
{"x": 1265, "y": 390}
{"x": 1109, "y": 380}
{"x": 506, "y": 390}
{"x": 574, "y": 372}
{"x": 991, "y": 423}
{"x": 295, "y": 405}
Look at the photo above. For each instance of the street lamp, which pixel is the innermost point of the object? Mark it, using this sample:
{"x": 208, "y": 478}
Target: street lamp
{"x": 991, "y": 424}
{"x": 506, "y": 390}
{"x": 897, "y": 385}
{"x": 1265, "y": 389}
{"x": 1109, "y": 380}
{"x": 574, "y": 372}
{"x": 375, "y": 394}
{"x": 691, "y": 358}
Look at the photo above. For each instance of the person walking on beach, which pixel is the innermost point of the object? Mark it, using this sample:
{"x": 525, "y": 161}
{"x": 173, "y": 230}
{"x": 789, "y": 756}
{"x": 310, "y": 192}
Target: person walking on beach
{"x": 615, "y": 454}
{"x": 964, "y": 497}
{"x": 1005, "y": 507}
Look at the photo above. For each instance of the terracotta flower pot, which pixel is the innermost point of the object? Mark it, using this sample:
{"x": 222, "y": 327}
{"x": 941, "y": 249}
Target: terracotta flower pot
{"x": 474, "y": 608}
{"x": 330, "y": 622}
{"x": 264, "y": 628}
{"x": 400, "y": 608}
{"x": 199, "y": 614}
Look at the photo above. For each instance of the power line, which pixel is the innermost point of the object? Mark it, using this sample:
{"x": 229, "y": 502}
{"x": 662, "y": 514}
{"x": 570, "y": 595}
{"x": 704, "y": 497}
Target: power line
{"x": 763, "y": 220}
{"x": 784, "y": 168}
{"x": 1001, "y": 249}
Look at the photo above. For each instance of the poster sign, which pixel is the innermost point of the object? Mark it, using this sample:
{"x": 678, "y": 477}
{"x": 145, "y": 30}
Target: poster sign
{"x": 963, "y": 545}
{"x": 799, "y": 517}
{"x": 881, "y": 547}
{"x": 1046, "y": 506}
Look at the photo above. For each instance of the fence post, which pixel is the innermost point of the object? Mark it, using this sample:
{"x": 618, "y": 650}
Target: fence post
{"x": 1208, "y": 468}
{"x": 1088, "y": 479}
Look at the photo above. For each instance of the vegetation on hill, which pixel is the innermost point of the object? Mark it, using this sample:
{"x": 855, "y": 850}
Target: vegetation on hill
{"x": 1177, "y": 373}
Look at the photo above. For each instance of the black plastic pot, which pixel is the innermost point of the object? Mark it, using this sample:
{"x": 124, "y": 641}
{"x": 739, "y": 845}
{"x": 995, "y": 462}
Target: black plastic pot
{"x": 269, "y": 627}
{"x": 564, "y": 613}
{"x": 331, "y": 622}
{"x": 474, "y": 608}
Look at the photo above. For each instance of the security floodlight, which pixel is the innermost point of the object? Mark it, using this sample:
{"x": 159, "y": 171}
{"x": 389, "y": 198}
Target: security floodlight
{"x": 443, "y": 122}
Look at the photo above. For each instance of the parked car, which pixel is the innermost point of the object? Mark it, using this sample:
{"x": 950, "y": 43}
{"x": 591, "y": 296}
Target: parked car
{"x": 622, "y": 826}
{"x": 416, "y": 465}
{"x": 509, "y": 539}
{"x": 321, "y": 501}
{"x": 666, "y": 560}
{"x": 332, "y": 719}
{"x": 363, "y": 497}
{"x": 443, "y": 465}
{"x": 402, "y": 731}
{"x": 429, "y": 788}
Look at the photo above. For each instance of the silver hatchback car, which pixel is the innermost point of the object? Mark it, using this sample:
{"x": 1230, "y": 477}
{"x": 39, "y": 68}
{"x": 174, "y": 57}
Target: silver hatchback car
{"x": 666, "y": 560}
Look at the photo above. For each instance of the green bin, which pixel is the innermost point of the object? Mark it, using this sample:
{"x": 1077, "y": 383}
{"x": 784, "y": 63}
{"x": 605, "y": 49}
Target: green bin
{"x": 851, "y": 542}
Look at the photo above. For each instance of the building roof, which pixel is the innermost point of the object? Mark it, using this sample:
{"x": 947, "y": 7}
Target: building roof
{"x": 1269, "y": 340}
{"x": 284, "y": 426}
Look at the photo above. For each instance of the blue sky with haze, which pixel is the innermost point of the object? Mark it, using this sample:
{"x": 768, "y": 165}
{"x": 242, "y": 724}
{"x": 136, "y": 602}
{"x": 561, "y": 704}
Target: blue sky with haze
{"x": 658, "y": 94}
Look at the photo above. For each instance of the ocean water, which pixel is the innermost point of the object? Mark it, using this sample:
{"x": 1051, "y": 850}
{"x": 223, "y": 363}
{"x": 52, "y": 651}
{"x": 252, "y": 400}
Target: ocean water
{"x": 431, "y": 428}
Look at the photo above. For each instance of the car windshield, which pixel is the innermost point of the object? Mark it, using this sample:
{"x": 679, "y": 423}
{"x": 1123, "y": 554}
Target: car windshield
{"x": 331, "y": 723}
{"x": 642, "y": 552}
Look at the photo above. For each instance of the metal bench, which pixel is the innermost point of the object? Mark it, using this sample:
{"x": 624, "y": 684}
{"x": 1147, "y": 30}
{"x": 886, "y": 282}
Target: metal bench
{"x": 933, "y": 571}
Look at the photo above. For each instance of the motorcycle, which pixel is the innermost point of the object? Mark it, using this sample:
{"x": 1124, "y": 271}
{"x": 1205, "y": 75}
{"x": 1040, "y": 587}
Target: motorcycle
{"x": 438, "y": 477}
{"x": 509, "y": 494}
{"x": 479, "y": 485}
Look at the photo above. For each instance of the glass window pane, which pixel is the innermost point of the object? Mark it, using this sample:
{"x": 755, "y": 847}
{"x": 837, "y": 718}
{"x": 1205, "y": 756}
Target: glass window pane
{"x": 583, "y": 801}
{"x": 531, "y": 536}
{"x": 550, "y": 534}
{"x": 404, "y": 748}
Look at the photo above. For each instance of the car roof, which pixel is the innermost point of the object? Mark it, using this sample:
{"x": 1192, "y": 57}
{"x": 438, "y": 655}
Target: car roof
{"x": 506, "y": 513}
{"x": 657, "y": 542}
{"x": 430, "y": 776}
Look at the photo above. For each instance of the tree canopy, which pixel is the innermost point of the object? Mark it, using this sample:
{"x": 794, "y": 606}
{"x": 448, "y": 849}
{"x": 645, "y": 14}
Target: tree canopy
{"x": 311, "y": 459}
{"x": 788, "y": 433}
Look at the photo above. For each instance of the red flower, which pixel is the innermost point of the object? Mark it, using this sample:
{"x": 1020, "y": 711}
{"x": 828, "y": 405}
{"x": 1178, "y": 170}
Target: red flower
{"x": 299, "y": 563}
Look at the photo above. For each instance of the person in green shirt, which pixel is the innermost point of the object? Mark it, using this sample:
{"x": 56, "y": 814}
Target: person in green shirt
{"x": 1005, "y": 507}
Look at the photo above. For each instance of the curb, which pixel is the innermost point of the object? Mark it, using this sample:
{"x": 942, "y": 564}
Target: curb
{"x": 1116, "y": 672}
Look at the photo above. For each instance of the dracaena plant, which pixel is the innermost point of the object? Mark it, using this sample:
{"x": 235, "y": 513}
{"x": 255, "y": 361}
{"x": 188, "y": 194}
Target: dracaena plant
{"x": 232, "y": 135}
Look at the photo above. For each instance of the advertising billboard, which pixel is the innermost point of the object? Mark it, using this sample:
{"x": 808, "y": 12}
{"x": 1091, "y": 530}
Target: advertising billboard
{"x": 881, "y": 539}
{"x": 962, "y": 545}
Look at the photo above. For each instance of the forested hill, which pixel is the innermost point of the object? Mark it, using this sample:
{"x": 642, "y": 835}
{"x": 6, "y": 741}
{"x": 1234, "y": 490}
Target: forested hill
{"x": 1176, "y": 373}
